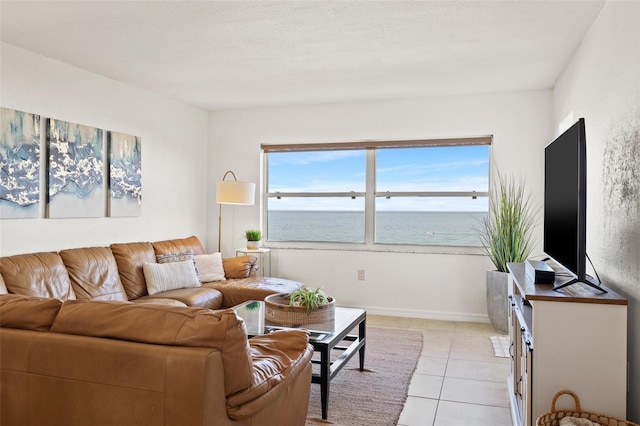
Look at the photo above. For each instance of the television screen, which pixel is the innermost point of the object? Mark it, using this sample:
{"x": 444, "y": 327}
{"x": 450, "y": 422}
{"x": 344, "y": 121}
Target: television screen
{"x": 565, "y": 200}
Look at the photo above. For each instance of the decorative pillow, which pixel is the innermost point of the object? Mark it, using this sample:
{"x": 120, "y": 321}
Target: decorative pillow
{"x": 209, "y": 267}
{"x": 170, "y": 276}
{"x": 177, "y": 257}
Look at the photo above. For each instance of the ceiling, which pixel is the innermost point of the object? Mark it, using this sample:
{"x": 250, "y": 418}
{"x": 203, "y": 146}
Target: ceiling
{"x": 241, "y": 54}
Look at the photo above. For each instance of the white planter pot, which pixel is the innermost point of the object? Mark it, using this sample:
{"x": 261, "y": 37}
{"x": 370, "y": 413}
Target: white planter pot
{"x": 253, "y": 245}
{"x": 497, "y": 300}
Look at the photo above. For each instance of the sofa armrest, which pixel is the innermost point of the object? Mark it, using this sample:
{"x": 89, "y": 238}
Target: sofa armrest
{"x": 240, "y": 267}
{"x": 278, "y": 359}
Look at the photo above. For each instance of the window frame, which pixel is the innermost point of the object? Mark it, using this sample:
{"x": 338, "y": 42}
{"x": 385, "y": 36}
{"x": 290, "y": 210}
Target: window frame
{"x": 370, "y": 194}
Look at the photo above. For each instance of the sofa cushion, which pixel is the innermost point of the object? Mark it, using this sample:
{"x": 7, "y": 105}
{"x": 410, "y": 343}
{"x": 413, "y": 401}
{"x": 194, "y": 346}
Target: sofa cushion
{"x": 158, "y": 300}
{"x": 130, "y": 257}
{"x": 37, "y": 274}
{"x": 210, "y": 267}
{"x": 178, "y": 245}
{"x": 170, "y": 276}
{"x": 28, "y": 312}
{"x": 202, "y": 297}
{"x": 238, "y": 291}
{"x": 165, "y": 325}
{"x": 94, "y": 273}
{"x": 239, "y": 267}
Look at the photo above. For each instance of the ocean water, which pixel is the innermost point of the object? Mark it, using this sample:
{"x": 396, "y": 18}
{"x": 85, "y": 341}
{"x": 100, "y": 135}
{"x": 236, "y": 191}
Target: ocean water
{"x": 421, "y": 228}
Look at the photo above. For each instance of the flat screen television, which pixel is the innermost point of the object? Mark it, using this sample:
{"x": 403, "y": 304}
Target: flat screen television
{"x": 565, "y": 204}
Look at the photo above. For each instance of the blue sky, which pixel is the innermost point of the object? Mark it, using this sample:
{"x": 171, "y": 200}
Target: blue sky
{"x": 416, "y": 169}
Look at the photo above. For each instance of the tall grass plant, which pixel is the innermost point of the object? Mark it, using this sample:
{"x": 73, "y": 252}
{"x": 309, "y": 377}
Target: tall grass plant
{"x": 507, "y": 232}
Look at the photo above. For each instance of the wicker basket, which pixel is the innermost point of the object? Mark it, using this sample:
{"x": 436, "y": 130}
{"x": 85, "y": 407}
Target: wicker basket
{"x": 553, "y": 418}
{"x": 278, "y": 310}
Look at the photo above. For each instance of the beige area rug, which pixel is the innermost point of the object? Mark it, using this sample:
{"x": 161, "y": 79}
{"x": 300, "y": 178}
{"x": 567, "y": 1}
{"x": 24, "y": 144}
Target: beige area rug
{"x": 376, "y": 395}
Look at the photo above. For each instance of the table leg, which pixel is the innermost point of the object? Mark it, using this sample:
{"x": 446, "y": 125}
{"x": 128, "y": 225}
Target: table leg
{"x": 325, "y": 377}
{"x": 361, "y": 337}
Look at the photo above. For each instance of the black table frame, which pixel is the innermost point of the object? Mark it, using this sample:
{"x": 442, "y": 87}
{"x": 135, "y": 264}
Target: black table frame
{"x": 328, "y": 369}
{"x": 323, "y": 342}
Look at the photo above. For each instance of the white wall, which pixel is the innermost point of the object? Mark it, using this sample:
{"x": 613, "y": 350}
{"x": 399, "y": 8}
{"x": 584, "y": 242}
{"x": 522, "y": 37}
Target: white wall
{"x": 602, "y": 84}
{"x": 174, "y": 153}
{"x": 420, "y": 285}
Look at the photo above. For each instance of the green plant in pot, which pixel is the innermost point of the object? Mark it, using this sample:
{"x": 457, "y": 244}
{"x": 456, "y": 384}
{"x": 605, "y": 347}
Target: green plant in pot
{"x": 310, "y": 298}
{"x": 300, "y": 307}
{"x": 507, "y": 236}
{"x": 253, "y": 238}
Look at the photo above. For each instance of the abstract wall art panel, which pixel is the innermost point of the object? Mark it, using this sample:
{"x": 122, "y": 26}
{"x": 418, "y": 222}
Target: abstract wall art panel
{"x": 76, "y": 170}
{"x": 125, "y": 175}
{"x": 19, "y": 164}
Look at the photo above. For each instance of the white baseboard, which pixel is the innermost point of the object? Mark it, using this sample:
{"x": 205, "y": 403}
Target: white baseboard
{"x": 434, "y": 315}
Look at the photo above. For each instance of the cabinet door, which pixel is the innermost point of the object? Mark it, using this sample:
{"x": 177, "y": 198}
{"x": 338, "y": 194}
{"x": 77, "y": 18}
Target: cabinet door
{"x": 525, "y": 384}
{"x": 513, "y": 323}
{"x": 518, "y": 370}
{"x": 514, "y": 350}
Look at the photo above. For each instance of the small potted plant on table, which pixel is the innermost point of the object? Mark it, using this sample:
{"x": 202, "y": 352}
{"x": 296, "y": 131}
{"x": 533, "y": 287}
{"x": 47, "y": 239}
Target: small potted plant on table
{"x": 300, "y": 307}
{"x": 253, "y": 238}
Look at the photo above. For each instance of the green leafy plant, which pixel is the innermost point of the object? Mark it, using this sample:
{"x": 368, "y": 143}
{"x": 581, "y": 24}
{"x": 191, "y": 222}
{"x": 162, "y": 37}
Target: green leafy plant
{"x": 309, "y": 298}
{"x": 253, "y": 235}
{"x": 506, "y": 233}
{"x": 253, "y": 306}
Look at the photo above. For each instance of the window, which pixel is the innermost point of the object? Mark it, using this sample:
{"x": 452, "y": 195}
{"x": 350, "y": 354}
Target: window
{"x": 427, "y": 192}
{"x": 316, "y": 196}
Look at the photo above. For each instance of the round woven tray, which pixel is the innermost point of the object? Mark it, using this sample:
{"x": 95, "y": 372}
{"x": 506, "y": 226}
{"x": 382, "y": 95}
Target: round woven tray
{"x": 278, "y": 310}
{"x": 553, "y": 418}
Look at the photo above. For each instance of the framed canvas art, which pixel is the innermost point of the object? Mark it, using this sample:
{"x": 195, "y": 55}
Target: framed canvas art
{"x": 19, "y": 164}
{"x": 76, "y": 170}
{"x": 125, "y": 175}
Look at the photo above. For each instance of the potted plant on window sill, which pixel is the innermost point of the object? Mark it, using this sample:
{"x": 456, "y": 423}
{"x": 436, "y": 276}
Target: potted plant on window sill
{"x": 253, "y": 238}
{"x": 506, "y": 235}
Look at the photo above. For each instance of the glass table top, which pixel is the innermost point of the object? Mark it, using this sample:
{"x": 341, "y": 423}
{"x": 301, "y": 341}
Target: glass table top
{"x": 253, "y": 314}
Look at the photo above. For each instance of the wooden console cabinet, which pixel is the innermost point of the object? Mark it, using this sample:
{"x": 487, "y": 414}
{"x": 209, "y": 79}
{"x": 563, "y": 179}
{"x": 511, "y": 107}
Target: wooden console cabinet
{"x": 574, "y": 338}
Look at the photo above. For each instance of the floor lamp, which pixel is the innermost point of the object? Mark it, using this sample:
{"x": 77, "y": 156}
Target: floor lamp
{"x": 233, "y": 192}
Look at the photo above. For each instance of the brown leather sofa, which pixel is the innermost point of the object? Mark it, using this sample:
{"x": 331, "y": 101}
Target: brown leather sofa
{"x": 116, "y": 273}
{"x": 83, "y": 342}
{"x": 87, "y": 362}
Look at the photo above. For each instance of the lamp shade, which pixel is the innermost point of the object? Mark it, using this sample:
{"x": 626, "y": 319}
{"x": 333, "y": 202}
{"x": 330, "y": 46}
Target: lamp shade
{"x": 235, "y": 192}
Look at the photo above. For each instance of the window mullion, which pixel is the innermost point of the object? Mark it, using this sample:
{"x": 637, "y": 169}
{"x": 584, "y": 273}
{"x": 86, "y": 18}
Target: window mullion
{"x": 389, "y": 194}
{"x": 370, "y": 198}
{"x": 350, "y": 194}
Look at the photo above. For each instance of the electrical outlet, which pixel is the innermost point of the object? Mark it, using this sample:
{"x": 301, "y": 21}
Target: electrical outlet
{"x": 360, "y": 274}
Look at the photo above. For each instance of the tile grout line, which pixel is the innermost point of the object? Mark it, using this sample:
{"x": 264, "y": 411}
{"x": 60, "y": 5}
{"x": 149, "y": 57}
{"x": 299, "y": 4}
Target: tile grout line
{"x": 444, "y": 376}
{"x": 458, "y": 333}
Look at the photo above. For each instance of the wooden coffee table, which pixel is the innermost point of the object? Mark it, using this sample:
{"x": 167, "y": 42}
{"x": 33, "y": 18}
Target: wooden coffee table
{"x": 324, "y": 337}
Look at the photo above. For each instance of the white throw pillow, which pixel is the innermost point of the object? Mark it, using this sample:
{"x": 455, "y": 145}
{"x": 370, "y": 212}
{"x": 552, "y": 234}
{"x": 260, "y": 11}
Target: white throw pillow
{"x": 210, "y": 267}
{"x": 170, "y": 276}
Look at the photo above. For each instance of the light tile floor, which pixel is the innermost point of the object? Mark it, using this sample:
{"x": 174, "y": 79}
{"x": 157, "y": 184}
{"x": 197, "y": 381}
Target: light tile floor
{"x": 458, "y": 380}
